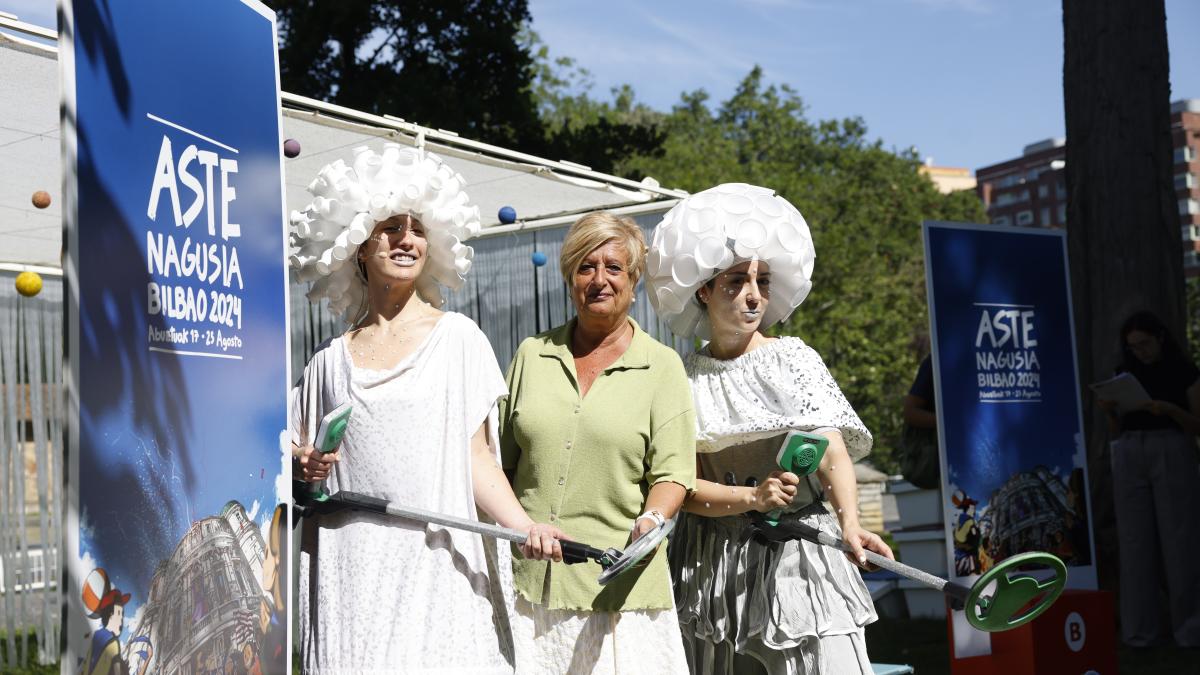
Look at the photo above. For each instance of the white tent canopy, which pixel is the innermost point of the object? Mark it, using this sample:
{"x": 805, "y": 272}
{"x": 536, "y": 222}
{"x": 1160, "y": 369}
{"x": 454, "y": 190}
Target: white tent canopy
{"x": 543, "y": 192}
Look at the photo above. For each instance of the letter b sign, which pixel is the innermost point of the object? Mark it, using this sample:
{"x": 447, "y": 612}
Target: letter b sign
{"x": 1074, "y": 631}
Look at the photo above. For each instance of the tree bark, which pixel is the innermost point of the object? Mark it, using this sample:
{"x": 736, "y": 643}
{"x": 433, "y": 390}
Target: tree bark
{"x": 1123, "y": 236}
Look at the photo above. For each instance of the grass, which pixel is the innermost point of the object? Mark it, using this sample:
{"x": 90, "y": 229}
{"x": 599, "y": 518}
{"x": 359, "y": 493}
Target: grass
{"x": 30, "y": 652}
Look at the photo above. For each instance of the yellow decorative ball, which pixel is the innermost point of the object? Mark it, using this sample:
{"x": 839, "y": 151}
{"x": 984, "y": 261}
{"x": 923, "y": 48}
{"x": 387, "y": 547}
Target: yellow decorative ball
{"x": 29, "y": 284}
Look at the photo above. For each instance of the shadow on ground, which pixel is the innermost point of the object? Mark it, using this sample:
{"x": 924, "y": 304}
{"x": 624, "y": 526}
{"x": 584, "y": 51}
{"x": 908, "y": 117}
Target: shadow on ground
{"x": 922, "y": 644}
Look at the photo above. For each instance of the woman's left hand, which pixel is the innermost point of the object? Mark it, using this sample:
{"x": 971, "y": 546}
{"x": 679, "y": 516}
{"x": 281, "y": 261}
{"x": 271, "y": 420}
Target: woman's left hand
{"x": 1157, "y": 407}
{"x": 860, "y": 541}
{"x": 641, "y": 527}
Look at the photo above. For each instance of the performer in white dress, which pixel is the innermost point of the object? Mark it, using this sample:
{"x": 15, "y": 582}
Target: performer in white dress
{"x": 378, "y": 594}
{"x": 726, "y": 264}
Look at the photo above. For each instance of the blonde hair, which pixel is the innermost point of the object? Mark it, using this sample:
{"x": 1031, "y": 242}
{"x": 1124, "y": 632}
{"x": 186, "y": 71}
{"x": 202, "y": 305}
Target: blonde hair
{"x": 595, "y": 230}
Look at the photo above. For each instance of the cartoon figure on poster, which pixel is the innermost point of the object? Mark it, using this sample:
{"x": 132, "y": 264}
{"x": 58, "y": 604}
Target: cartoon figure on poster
{"x": 966, "y": 537}
{"x": 106, "y": 604}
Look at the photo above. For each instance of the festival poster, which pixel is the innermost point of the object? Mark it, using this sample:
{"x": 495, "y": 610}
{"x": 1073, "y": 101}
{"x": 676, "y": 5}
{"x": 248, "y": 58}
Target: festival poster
{"x": 177, "y": 338}
{"x": 1013, "y": 458}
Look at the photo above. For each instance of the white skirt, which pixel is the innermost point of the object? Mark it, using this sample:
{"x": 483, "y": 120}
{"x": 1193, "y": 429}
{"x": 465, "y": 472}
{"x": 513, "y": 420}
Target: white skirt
{"x": 568, "y": 642}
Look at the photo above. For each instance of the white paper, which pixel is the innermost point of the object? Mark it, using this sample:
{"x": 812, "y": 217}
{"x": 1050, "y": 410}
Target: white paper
{"x": 968, "y": 640}
{"x": 1124, "y": 389}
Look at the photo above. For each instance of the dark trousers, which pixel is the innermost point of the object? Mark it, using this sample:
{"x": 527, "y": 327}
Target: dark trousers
{"x": 1156, "y": 489}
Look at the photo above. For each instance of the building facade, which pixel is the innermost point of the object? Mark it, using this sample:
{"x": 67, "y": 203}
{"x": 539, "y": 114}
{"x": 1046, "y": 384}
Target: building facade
{"x": 1185, "y": 137}
{"x": 948, "y": 179}
{"x": 201, "y": 598}
{"x": 1031, "y": 190}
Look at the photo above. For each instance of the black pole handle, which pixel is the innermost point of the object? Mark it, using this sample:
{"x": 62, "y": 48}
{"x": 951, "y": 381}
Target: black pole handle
{"x": 576, "y": 552}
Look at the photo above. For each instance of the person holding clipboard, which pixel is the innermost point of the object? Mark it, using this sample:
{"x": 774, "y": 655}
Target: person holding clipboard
{"x": 1153, "y": 409}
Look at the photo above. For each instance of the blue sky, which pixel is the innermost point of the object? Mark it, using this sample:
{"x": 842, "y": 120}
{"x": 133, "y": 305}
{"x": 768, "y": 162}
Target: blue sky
{"x": 968, "y": 82}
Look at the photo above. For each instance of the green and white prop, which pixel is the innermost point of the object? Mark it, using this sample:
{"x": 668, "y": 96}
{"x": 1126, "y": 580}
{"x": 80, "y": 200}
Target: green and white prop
{"x": 801, "y": 454}
{"x": 613, "y": 561}
{"x": 995, "y": 602}
{"x": 1012, "y": 601}
{"x": 329, "y": 437}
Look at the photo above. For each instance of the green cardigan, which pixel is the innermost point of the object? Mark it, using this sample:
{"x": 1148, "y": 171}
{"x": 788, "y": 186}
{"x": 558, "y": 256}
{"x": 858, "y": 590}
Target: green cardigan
{"x": 587, "y": 464}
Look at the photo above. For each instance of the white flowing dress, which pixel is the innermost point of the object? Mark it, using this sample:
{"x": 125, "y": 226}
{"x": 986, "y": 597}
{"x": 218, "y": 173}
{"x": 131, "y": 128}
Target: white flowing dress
{"x": 379, "y": 594}
{"x": 744, "y": 607}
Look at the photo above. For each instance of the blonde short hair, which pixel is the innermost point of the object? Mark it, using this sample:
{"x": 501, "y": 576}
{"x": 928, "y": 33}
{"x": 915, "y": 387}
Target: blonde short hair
{"x": 595, "y": 230}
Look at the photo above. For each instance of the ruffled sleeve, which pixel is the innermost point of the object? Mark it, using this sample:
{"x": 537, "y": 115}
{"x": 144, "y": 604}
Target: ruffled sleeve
{"x": 827, "y": 405}
{"x": 781, "y": 386}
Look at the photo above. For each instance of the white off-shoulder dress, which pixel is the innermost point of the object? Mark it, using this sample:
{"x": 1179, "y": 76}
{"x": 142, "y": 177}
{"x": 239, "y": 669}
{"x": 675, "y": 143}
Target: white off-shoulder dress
{"x": 745, "y": 607}
{"x": 378, "y": 594}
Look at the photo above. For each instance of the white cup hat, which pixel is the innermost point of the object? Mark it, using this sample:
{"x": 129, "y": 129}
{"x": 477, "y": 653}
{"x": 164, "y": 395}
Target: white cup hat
{"x": 350, "y": 198}
{"x": 713, "y": 230}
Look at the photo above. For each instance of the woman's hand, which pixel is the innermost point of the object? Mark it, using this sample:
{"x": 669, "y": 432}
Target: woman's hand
{"x": 1159, "y": 407}
{"x": 542, "y": 542}
{"x": 1109, "y": 407}
{"x": 640, "y": 527}
{"x": 860, "y": 541}
{"x": 776, "y": 492}
{"x": 314, "y": 465}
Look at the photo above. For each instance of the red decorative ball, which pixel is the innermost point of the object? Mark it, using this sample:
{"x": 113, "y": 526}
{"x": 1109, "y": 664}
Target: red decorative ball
{"x": 41, "y": 199}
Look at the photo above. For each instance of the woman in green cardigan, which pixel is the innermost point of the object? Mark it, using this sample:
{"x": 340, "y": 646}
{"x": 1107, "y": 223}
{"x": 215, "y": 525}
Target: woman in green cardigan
{"x": 598, "y": 434}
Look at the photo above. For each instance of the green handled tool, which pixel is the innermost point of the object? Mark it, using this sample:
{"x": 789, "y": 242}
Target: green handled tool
{"x": 800, "y": 453}
{"x": 1013, "y": 600}
{"x": 329, "y": 437}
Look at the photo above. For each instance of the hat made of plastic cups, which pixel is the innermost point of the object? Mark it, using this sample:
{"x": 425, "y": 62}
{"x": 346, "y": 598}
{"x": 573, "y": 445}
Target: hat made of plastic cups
{"x": 713, "y": 230}
{"x": 348, "y": 201}
{"x": 98, "y": 593}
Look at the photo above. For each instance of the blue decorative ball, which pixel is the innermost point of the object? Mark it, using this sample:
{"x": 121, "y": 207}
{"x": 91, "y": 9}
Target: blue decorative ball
{"x": 508, "y": 215}
{"x": 538, "y": 258}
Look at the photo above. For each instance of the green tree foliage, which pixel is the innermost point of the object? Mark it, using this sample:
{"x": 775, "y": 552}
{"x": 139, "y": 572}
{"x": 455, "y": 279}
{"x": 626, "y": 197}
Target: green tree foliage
{"x": 470, "y": 66}
{"x": 453, "y": 65}
{"x": 579, "y": 128}
{"x": 866, "y": 314}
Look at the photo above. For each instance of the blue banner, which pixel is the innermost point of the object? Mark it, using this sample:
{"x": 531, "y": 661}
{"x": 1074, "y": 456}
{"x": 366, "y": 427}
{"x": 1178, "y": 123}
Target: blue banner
{"x": 177, "y": 338}
{"x": 1013, "y": 459}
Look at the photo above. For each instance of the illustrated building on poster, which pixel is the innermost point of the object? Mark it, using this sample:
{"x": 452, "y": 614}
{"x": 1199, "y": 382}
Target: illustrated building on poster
{"x": 204, "y": 599}
{"x": 1037, "y": 510}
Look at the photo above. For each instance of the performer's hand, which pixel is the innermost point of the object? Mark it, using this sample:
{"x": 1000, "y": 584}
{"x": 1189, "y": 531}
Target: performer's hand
{"x": 860, "y": 541}
{"x": 640, "y": 527}
{"x": 776, "y": 492}
{"x": 542, "y": 542}
{"x": 314, "y": 465}
{"x": 1109, "y": 407}
{"x": 1156, "y": 407}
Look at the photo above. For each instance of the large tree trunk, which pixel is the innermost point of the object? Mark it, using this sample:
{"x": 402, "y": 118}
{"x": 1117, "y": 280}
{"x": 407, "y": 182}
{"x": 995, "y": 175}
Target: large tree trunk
{"x": 1123, "y": 233}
